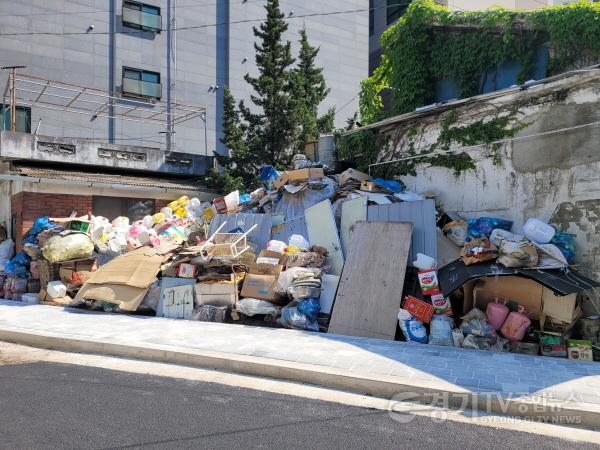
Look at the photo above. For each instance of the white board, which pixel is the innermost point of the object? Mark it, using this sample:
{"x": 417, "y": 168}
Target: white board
{"x": 329, "y": 285}
{"x": 178, "y": 302}
{"x": 322, "y": 231}
{"x": 352, "y": 211}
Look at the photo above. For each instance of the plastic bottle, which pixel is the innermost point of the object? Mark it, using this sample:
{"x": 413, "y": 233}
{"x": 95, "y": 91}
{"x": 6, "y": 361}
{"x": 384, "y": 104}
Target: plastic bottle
{"x": 538, "y": 231}
{"x": 496, "y": 313}
{"x": 515, "y": 325}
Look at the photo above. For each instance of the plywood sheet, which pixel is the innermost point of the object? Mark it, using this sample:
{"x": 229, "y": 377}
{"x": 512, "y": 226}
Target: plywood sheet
{"x": 323, "y": 231}
{"x": 370, "y": 290}
{"x": 352, "y": 211}
{"x": 421, "y": 214}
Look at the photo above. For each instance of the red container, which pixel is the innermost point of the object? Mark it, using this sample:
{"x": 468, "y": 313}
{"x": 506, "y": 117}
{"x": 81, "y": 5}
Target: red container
{"x": 418, "y": 308}
{"x": 515, "y": 325}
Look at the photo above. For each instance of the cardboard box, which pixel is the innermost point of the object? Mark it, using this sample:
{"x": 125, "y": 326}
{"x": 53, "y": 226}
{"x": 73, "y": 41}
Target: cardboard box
{"x": 216, "y": 294}
{"x": 429, "y": 282}
{"x": 553, "y": 344}
{"x": 353, "y": 174}
{"x": 260, "y": 287}
{"x": 418, "y": 308}
{"x": 78, "y": 271}
{"x": 282, "y": 258}
{"x": 298, "y": 176}
{"x": 525, "y": 292}
{"x": 580, "y": 349}
{"x": 369, "y": 186}
{"x": 186, "y": 271}
{"x": 561, "y": 308}
{"x": 265, "y": 269}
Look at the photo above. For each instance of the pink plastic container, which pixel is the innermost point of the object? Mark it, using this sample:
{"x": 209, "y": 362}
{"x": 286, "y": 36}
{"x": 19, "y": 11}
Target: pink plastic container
{"x": 515, "y": 325}
{"x": 496, "y": 313}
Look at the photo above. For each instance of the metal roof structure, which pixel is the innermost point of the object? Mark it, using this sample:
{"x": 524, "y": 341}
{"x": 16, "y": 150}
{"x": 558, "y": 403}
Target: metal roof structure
{"x": 28, "y": 90}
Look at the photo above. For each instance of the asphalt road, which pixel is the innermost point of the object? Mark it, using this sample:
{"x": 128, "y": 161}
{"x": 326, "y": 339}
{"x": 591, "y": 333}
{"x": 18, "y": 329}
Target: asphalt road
{"x": 49, "y": 405}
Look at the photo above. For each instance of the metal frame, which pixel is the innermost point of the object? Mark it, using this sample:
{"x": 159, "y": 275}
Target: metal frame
{"x": 28, "y": 90}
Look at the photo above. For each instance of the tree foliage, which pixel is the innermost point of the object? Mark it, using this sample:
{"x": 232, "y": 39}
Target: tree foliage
{"x": 285, "y": 103}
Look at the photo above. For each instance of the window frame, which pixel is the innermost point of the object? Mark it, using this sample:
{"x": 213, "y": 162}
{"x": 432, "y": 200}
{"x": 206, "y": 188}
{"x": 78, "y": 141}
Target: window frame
{"x": 141, "y": 73}
{"x": 6, "y": 118}
{"x": 396, "y": 10}
{"x": 142, "y": 8}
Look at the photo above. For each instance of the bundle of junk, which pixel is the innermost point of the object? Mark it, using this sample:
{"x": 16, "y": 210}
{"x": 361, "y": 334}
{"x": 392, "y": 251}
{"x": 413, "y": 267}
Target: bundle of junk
{"x": 341, "y": 253}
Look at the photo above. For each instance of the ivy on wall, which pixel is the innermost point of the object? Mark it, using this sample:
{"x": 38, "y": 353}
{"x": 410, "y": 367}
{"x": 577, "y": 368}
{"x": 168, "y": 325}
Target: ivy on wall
{"x": 431, "y": 43}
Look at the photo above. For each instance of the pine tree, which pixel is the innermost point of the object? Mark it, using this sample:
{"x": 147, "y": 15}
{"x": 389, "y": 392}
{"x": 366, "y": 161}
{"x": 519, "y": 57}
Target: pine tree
{"x": 272, "y": 126}
{"x": 311, "y": 88}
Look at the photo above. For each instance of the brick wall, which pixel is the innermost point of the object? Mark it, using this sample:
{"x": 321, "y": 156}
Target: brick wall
{"x": 161, "y": 204}
{"x": 28, "y": 206}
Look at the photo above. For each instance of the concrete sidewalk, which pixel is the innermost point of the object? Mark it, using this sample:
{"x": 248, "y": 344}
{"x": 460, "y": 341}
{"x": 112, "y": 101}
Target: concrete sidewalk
{"x": 507, "y": 383}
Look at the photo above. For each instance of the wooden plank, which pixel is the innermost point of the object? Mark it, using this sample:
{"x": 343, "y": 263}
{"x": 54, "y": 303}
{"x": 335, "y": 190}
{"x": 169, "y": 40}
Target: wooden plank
{"x": 352, "y": 212}
{"x": 323, "y": 231}
{"x": 370, "y": 290}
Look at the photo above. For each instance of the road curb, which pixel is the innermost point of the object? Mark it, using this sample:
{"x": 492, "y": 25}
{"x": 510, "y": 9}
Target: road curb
{"x": 388, "y": 387}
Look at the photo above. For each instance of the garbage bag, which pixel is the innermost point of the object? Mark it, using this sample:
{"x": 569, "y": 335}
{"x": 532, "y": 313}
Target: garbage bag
{"x": 253, "y": 306}
{"x": 64, "y": 247}
{"x": 566, "y": 244}
{"x": 440, "y": 330}
{"x": 299, "y": 241}
{"x": 478, "y": 250}
{"x": 7, "y": 249}
{"x": 209, "y": 313}
{"x": 483, "y": 226}
{"x": 268, "y": 175}
{"x": 310, "y": 307}
{"x": 456, "y": 231}
{"x": 518, "y": 254}
{"x": 292, "y": 318}
{"x": 32, "y": 250}
{"x": 391, "y": 185}
{"x": 15, "y": 269}
{"x": 22, "y": 259}
{"x": 40, "y": 224}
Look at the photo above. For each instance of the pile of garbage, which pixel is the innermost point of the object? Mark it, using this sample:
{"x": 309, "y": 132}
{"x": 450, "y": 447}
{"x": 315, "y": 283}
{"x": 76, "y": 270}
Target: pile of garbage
{"x": 274, "y": 257}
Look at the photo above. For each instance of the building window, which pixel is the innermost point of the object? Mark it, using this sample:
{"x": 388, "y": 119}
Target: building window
{"x": 141, "y": 83}
{"x": 23, "y": 121}
{"x": 395, "y": 9}
{"x": 111, "y": 207}
{"x": 141, "y": 16}
{"x": 371, "y": 17}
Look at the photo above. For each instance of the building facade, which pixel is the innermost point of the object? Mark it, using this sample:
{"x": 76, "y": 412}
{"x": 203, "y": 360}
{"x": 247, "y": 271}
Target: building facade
{"x": 176, "y": 51}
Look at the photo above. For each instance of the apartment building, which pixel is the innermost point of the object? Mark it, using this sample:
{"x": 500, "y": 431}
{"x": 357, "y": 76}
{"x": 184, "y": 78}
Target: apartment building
{"x": 165, "y": 52}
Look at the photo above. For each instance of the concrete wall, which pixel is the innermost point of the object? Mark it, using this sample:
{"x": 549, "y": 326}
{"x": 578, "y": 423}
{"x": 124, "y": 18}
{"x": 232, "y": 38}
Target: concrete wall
{"x": 554, "y": 177}
{"x": 206, "y": 55}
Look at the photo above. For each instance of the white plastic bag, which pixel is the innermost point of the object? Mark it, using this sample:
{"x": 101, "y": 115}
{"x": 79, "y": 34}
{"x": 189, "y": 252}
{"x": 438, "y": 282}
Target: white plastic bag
{"x": 7, "y": 250}
{"x": 440, "y": 330}
{"x": 276, "y": 246}
{"x": 253, "y": 306}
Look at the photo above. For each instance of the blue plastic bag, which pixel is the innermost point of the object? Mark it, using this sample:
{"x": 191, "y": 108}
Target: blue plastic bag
{"x": 41, "y": 224}
{"x": 483, "y": 226}
{"x": 15, "y": 269}
{"x": 244, "y": 198}
{"x": 310, "y": 307}
{"x": 22, "y": 258}
{"x": 392, "y": 185}
{"x": 566, "y": 244}
{"x": 292, "y": 318}
{"x": 268, "y": 175}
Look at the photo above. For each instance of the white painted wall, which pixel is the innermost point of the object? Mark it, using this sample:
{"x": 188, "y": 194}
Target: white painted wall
{"x": 555, "y": 177}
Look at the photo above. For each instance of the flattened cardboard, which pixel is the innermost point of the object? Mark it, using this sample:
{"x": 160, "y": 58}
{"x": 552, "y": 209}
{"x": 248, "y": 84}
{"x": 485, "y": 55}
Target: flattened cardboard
{"x": 127, "y": 297}
{"x": 134, "y": 269}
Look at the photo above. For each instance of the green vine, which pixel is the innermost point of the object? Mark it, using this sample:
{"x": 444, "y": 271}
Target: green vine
{"x": 431, "y": 42}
